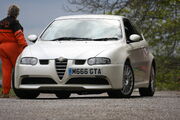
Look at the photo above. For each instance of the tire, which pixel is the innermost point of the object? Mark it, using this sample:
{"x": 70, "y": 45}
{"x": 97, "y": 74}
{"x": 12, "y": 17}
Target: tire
{"x": 128, "y": 84}
{"x": 24, "y": 94}
{"x": 151, "y": 88}
{"x": 63, "y": 94}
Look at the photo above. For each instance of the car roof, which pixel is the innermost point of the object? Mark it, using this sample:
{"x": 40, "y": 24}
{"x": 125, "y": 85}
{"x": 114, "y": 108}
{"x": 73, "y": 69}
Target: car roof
{"x": 91, "y": 17}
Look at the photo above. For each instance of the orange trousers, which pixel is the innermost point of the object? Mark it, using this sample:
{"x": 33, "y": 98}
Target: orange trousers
{"x": 9, "y": 51}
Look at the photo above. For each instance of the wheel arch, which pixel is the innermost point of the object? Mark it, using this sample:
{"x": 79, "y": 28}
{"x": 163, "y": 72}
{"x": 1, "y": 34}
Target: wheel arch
{"x": 154, "y": 65}
{"x": 127, "y": 61}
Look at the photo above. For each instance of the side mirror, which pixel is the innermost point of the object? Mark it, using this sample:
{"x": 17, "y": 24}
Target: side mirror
{"x": 135, "y": 37}
{"x": 32, "y": 38}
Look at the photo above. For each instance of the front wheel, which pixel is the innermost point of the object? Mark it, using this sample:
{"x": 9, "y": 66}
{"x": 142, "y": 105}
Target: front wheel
{"x": 151, "y": 89}
{"x": 128, "y": 84}
{"x": 24, "y": 94}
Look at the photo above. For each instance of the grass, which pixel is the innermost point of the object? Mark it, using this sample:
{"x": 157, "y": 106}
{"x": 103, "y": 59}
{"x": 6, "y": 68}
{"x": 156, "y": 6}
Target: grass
{"x": 171, "y": 86}
{"x": 12, "y": 94}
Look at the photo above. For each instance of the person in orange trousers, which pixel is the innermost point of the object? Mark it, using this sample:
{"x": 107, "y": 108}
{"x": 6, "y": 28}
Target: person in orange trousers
{"x": 12, "y": 43}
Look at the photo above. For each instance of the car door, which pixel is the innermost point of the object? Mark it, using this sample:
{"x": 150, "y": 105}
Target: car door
{"x": 137, "y": 52}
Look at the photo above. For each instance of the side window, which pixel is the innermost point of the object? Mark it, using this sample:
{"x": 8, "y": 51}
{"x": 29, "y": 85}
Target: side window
{"x": 129, "y": 29}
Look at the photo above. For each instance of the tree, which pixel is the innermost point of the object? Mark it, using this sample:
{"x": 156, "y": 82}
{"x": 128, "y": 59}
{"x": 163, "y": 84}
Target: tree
{"x": 158, "y": 20}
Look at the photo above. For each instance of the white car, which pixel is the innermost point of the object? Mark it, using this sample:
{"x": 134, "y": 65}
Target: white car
{"x": 86, "y": 54}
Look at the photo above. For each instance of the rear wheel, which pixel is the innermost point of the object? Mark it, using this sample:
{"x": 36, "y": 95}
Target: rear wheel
{"x": 151, "y": 89}
{"x": 24, "y": 94}
{"x": 128, "y": 84}
{"x": 63, "y": 94}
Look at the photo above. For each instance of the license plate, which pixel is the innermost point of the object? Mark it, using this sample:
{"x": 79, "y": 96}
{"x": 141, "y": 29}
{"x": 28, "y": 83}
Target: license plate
{"x": 84, "y": 71}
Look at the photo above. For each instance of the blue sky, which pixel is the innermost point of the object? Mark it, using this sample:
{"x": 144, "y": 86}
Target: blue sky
{"x": 36, "y": 14}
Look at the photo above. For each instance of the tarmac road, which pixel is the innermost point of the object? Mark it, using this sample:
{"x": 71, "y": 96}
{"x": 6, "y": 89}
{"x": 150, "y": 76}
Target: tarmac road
{"x": 163, "y": 106}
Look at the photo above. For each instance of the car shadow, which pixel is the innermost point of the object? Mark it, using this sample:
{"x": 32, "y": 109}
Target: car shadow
{"x": 84, "y": 97}
{"x": 101, "y": 97}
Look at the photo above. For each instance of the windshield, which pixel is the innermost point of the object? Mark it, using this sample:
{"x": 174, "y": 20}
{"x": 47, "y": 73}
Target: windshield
{"x": 83, "y": 29}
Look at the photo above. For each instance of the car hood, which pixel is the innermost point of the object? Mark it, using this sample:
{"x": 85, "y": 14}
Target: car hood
{"x": 67, "y": 49}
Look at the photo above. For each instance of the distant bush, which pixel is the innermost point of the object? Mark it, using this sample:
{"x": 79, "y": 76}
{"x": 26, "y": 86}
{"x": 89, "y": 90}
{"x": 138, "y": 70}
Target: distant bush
{"x": 168, "y": 73}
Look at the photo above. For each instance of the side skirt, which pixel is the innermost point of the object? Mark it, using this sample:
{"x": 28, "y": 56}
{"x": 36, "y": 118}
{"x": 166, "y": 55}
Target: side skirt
{"x": 143, "y": 84}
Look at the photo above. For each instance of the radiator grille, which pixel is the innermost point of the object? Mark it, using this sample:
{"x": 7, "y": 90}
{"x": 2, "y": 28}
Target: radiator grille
{"x": 60, "y": 67}
{"x": 80, "y": 62}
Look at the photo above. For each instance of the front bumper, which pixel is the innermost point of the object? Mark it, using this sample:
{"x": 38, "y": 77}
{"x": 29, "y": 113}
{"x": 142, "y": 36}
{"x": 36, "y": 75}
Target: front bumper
{"x": 112, "y": 73}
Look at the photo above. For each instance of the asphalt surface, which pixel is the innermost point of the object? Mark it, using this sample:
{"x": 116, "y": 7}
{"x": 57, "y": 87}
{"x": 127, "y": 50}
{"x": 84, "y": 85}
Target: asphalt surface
{"x": 163, "y": 106}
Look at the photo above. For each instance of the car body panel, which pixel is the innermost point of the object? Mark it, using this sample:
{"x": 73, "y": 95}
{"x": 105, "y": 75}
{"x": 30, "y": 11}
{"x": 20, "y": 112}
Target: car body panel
{"x": 70, "y": 50}
{"x": 118, "y": 51}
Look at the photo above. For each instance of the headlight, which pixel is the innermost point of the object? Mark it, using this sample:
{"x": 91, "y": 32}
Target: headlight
{"x": 29, "y": 60}
{"x": 99, "y": 60}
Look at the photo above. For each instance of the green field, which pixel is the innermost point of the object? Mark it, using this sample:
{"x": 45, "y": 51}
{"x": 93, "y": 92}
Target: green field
{"x": 12, "y": 94}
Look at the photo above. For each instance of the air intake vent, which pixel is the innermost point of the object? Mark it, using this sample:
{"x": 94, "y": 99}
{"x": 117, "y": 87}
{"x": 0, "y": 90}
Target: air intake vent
{"x": 80, "y": 62}
{"x": 60, "y": 67}
{"x": 36, "y": 80}
{"x": 44, "y": 62}
{"x": 90, "y": 81}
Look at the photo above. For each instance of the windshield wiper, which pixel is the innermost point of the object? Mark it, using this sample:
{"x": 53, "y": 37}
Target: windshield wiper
{"x": 70, "y": 38}
{"x": 81, "y": 39}
{"x": 105, "y": 39}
